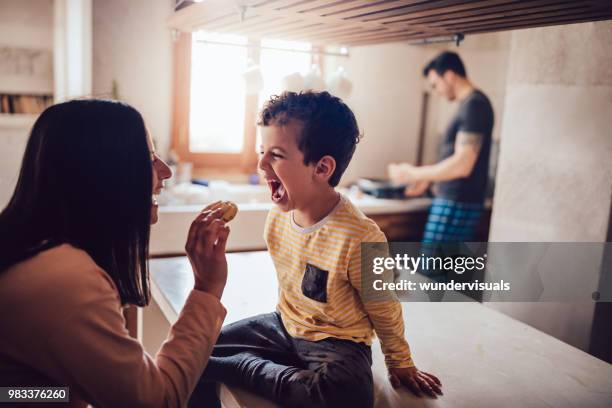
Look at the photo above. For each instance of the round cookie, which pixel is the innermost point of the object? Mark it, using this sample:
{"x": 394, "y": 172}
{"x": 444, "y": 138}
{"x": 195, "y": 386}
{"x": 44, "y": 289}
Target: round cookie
{"x": 229, "y": 210}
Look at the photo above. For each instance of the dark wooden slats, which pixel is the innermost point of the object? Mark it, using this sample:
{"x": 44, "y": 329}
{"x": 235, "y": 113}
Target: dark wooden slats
{"x": 359, "y": 22}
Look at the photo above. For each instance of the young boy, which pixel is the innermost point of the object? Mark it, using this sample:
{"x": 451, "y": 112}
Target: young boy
{"x": 314, "y": 351}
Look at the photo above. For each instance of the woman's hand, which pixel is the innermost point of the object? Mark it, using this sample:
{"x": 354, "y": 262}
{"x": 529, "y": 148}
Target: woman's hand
{"x": 416, "y": 381}
{"x": 205, "y": 249}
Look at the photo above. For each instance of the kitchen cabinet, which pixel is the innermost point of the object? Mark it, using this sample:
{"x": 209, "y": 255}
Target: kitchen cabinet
{"x": 409, "y": 226}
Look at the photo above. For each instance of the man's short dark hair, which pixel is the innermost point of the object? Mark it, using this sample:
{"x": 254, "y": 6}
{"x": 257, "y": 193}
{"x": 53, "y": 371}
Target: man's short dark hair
{"x": 329, "y": 126}
{"x": 446, "y": 61}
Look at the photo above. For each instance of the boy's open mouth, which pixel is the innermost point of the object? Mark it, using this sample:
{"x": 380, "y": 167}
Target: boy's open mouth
{"x": 278, "y": 190}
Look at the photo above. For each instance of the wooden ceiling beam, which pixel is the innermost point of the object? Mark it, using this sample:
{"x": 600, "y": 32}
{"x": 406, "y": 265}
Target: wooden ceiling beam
{"x": 361, "y": 22}
{"x": 281, "y": 30}
{"x": 194, "y": 16}
{"x": 351, "y": 39}
{"x": 322, "y": 39}
{"x": 538, "y": 17}
{"x": 500, "y": 9}
{"x": 313, "y": 16}
{"x": 547, "y": 23}
{"x": 273, "y": 3}
{"x": 328, "y": 8}
{"x": 405, "y": 39}
{"x": 236, "y": 24}
{"x": 323, "y": 29}
{"x": 509, "y": 15}
{"x": 425, "y": 8}
{"x": 341, "y": 38}
{"x": 473, "y": 7}
{"x": 319, "y": 6}
{"x": 371, "y": 7}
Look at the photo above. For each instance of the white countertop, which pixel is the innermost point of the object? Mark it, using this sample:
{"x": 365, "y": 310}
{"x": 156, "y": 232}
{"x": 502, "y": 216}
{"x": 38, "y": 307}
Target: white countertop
{"x": 483, "y": 357}
{"x": 367, "y": 204}
{"x": 169, "y": 234}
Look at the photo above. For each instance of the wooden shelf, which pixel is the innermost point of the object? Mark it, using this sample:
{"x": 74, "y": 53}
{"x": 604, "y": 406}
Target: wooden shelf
{"x": 332, "y": 22}
{"x": 17, "y": 120}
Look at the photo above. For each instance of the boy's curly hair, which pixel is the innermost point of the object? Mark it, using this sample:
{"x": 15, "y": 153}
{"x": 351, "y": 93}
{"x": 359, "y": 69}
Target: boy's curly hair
{"x": 329, "y": 126}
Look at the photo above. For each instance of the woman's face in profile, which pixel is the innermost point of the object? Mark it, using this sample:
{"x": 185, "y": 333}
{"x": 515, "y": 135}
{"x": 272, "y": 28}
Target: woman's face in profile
{"x": 161, "y": 172}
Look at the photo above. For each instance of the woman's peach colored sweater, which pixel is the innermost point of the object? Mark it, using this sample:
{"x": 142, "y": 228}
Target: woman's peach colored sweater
{"x": 61, "y": 324}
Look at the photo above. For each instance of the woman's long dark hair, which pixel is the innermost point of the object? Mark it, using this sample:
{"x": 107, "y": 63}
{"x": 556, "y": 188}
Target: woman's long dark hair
{"x": 85, "y": 180}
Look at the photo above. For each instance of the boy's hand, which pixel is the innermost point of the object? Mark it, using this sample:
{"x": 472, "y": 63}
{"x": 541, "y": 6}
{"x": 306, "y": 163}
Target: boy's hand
{"x": 416, "y": 381}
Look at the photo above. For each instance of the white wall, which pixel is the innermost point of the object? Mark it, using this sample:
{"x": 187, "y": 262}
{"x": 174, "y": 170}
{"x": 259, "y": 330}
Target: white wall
{"x": 555, "y": 164}
{"x": 555, "y": 168}
{"x": 132, "y": 46}
{"x": 386, "y": 100}
{"x": 27, "y": 24}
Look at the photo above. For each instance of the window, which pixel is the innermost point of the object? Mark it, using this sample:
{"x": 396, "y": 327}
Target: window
{"x": 276, "y": 63}
{"x": 214, "y": 118}
{"x": 216, "y": 114}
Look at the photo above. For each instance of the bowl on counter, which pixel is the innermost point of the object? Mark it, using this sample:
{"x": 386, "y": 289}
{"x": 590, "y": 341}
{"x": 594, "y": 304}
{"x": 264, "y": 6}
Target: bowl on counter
{"x": 381, "y": 188}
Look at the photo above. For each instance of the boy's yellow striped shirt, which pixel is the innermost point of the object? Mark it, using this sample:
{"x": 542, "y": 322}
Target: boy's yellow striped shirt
{"x": 319, "y": 276}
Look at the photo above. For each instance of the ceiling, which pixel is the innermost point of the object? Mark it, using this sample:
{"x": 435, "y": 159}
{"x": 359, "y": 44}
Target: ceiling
{"x": 358, "y": 22}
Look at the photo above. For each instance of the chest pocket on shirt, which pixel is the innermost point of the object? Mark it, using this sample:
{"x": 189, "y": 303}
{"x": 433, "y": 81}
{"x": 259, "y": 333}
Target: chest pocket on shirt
{"x": 314, "y": 283}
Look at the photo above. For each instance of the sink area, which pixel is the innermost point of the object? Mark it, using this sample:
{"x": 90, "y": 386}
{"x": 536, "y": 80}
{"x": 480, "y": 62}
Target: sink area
{"x": 194, "y": 194}
{"x": 180, "y": 204}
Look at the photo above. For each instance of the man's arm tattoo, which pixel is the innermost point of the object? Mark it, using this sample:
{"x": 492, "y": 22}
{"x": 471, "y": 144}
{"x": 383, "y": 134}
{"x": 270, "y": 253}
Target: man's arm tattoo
{"x": 470, "y": 139}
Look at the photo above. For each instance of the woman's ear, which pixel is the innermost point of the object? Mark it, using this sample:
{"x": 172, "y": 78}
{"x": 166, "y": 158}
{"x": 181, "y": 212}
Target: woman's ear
{"x": 325, "y": 168}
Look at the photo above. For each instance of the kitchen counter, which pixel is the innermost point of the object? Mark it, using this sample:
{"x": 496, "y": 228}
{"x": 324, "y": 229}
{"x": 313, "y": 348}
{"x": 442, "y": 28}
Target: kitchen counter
{"x": 367, "y": 204}
{"x": 169, "y": 234}
{"x": 483, "y": 357}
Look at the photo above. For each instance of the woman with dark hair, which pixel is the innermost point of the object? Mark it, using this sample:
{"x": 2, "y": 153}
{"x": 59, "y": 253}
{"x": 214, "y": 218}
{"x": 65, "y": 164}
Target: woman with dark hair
{"x": 74, "y": 246}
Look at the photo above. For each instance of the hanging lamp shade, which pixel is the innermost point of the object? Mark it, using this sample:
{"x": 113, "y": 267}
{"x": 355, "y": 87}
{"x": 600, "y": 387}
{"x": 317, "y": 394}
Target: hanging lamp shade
{"x": 253, "y": 80}
{"x": 293, "y": 82}
{"x": 339, "y": 85}
{"x": 313, "y": 80}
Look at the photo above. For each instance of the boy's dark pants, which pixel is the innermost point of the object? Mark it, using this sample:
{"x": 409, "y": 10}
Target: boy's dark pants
{"x": 258, "y": 354}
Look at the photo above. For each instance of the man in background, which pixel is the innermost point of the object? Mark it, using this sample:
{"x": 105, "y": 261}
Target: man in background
{"x": 462, "y": 172}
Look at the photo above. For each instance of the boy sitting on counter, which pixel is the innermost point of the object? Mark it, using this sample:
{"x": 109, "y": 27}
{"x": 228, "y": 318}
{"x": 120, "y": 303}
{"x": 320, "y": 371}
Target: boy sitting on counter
{"x": 314, "y": 350}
